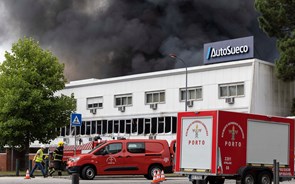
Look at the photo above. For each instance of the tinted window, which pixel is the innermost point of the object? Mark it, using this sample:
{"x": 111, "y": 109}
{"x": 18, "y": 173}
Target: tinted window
{"x": 110, "y": 149}
{"x": 137, "y": 147}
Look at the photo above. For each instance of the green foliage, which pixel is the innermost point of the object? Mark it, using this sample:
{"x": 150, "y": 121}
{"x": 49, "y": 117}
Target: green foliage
{"x": 277, "y": 17}
{"x": 285, "y": 66}
{"x": 278, "y": 20}
{"x": 29, "y": 110}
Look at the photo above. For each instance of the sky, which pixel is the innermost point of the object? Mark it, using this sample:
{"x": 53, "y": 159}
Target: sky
{"x": 109, "y": 38}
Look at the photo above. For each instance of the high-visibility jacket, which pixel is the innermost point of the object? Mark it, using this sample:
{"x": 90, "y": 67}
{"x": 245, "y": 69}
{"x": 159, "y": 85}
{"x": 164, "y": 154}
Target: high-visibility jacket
{"x": 39, "y": 156}
{"x": 58, "y": 153}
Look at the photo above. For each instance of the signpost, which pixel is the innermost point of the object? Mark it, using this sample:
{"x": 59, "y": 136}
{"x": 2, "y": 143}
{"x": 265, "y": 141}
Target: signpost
{"x": 76, "y": 120}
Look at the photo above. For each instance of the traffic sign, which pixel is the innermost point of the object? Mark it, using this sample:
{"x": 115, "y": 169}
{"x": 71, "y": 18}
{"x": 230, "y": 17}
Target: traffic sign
{"x": 76, "y": 119}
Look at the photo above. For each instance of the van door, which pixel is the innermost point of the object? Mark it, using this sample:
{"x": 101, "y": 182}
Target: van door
{"x": 109, "y": 159}
{"x": 136, "y": 160}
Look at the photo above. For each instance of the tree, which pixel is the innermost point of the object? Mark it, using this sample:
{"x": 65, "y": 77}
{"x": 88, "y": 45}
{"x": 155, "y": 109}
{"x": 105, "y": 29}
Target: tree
{"x": 278, "y": 20}
{"x": 29, "y": 108}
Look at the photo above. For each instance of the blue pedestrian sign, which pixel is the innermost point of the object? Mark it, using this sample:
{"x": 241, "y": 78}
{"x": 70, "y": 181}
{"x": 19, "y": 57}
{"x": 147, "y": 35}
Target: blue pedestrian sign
{"x": 76, "y": 119}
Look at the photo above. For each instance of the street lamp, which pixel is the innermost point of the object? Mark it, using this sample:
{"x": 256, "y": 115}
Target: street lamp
{"x": 177, "y": 58}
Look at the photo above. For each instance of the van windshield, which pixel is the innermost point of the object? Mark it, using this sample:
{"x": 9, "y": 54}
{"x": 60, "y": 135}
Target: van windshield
{"x": 97, "y": 146}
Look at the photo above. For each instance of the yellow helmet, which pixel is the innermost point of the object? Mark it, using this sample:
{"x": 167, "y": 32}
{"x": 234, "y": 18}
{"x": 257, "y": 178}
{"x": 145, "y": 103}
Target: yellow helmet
{"x": 60, "y": 143}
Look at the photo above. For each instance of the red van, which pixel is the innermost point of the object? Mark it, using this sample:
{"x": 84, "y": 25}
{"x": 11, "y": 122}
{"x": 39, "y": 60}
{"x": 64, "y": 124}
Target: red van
{"x": 124, "y": 157}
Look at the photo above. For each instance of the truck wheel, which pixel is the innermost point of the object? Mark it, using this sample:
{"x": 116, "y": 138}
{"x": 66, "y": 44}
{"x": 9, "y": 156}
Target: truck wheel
{"x": 88, "y": 173}
{"x": 264, "y": 178}
{"x": 249, "y": 178}
{"x": 151, "y": 171}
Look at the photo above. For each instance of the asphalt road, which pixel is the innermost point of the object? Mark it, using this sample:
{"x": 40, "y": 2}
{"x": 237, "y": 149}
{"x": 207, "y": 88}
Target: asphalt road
{"x": 101, "y": 180}
{"x": 97, "y": 180}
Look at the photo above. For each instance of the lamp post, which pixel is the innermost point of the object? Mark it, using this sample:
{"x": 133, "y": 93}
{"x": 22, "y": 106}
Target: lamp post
{"x": 177, "y": 58}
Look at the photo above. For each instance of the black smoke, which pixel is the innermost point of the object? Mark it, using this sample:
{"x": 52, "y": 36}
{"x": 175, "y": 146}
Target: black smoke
{"x": 107, "y": 38}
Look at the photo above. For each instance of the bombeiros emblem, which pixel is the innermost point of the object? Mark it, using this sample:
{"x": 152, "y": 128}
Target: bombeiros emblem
{"x": 232, "y": 130}
{"x": 196, "y": 133}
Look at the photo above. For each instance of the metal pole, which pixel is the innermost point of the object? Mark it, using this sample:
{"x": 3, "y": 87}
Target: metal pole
{"x": 46, "y": 166}
{"x": 185, "y": 88}
{"x": 30, "y": 164}
{"x": 75, "y": 141}
{"x": 11, "y": 164}
{"x": 175, "y": 57}
{"x": 277, "y": 173}
{"x": 17, "y": 167}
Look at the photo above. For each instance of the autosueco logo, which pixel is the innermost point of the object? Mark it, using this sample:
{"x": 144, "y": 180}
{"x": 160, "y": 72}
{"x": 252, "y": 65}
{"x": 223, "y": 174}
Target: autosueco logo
{"x": 227, "y": 51}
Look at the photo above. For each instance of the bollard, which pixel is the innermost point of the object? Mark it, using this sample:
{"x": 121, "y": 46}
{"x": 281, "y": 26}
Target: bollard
{"x": 17, "y": 167}
{"x": 75, "y": 178}
{"x": 278, "y": 172}
{"x": 275, "y": 172}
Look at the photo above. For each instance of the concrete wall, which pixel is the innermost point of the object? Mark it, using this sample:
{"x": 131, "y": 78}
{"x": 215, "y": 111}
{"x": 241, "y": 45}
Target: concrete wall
{"x": 270, "y": 96}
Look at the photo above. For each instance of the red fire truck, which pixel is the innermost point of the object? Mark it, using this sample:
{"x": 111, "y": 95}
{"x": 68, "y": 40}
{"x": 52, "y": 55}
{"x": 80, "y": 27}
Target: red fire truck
{"x": 216, "y": 145}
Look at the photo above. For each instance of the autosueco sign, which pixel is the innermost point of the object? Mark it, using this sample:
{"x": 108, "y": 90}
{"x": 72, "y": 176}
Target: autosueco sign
{"x": 212, "y": 52}
{"x": 228, "y": 50}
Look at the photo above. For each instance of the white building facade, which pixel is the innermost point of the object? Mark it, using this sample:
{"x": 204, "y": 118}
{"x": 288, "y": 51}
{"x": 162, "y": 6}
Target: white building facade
{"x": 146, "y": 105}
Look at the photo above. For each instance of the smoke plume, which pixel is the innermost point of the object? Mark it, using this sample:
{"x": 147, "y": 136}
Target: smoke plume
{"x": 107, "y": 38}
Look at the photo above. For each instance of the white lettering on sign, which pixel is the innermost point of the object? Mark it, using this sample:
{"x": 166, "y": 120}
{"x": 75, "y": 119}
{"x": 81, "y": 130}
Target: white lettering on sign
{"x": 232, "y": 143}
{"x": 227, "y": 161}
{"x": 229, "y": 50}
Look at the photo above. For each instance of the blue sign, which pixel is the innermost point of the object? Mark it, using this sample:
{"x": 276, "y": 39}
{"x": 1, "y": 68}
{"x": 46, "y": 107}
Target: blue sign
{"x": 76, "y": 119}
{"x": 229, "y": 50}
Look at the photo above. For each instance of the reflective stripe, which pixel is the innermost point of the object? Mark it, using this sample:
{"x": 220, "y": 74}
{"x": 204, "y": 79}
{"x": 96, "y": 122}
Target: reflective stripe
{"x": 58, "y": 154}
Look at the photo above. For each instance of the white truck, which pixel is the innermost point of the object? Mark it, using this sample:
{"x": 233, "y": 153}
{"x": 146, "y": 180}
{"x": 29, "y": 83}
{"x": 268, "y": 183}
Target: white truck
{"x": 216, "y": 145}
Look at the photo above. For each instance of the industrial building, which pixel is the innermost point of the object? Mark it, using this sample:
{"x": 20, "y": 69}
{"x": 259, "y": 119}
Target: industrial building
{"x": 146, "y": 105}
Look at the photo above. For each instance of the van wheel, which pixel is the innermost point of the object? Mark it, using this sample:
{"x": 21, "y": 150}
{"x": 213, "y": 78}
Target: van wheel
{"x": 88, "y": 173}
{"x": 152, "y": 169}
{"x": 264, "y": 178}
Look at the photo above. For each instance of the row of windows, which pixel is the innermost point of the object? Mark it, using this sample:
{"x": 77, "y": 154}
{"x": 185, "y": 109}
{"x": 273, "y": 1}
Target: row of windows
{"x": 134, "y": 126}
{"x": 155, "y": 97}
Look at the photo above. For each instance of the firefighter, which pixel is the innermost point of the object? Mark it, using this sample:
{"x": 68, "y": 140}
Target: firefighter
{"x": 57, "y": 159}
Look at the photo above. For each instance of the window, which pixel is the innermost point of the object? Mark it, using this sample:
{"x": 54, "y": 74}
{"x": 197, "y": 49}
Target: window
{"x": 231, "y": 90}
{"x": 155, "y": 97}
{"x": 123, "y": 100}
{"x": 136, "y": 147}
{"x": 110, "y": 149}
{"x": 95, "y": 102}
{"x": 114, "y": 148}
{"x": 193, "y": 93}
{"x": 134, "y": 126}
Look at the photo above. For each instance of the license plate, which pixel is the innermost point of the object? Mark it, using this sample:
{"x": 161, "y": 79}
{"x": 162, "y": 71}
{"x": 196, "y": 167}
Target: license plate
{"x": 196, "y": 177}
